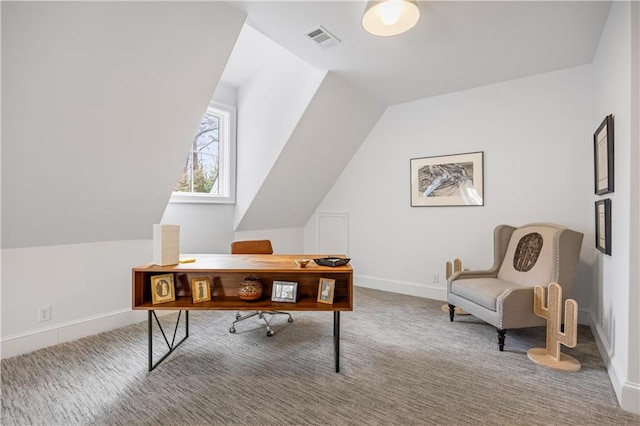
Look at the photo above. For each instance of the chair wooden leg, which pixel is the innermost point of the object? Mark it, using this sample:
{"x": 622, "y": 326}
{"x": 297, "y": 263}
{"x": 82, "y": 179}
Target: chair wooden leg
{"x": 452, "y": 311}
{"x": 501, "y": 334}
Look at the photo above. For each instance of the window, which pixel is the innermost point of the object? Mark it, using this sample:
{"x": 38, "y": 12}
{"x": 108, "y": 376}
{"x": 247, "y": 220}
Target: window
{"x": 208, "y": 175}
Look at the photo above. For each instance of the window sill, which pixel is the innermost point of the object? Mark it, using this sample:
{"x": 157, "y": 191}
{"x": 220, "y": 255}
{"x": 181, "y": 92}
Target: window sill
{"x": 189, "y": 198}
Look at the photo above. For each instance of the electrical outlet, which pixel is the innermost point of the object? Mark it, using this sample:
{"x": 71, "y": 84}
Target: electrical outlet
{"x": 44, "y": 313}
{"x": 436, "y": 278}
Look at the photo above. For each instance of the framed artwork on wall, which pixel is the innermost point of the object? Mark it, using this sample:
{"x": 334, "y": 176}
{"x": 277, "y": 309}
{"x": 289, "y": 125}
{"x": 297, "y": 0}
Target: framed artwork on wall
{"x": 603, "y": 226}
{"x": 603, "y": 156}
{"x": 448, "y": 180}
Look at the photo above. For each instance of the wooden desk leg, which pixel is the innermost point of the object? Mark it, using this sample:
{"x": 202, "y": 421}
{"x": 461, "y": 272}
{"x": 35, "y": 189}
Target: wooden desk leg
{"x": 336, "y": 338}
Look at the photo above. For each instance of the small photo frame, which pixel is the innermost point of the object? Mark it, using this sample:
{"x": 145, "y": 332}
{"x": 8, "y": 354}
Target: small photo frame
{"x": 603, "y": 156}
{"x": 162, "y": 289}
{"x": 284, "y": 291}
{"x": 448, "y": 180}
{"x": 603, "y": 226}
{"x": 200, "y": 290}
{"x": 326, "y": 288}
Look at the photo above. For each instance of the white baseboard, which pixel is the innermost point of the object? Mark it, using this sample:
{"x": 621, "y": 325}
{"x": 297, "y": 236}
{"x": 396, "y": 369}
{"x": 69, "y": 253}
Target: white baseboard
{"x": 630, "y": 397}
{"x": 584, "y": 317}
{"x": 402, "y": 287}
{"x": 427, "y": 291}
{"x": 22, "y": 343}
{"x": 628, "y": 393}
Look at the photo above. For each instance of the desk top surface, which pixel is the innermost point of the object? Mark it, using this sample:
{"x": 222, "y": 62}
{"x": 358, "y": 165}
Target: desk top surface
{"x": 246, "y": 263}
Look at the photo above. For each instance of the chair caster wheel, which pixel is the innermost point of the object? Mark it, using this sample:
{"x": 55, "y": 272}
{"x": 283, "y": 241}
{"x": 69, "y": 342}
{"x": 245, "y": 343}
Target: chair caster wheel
{"x": 290, "y": 319}
{"x": 238, "y": 315}
{"x": 270, "y": 333}
{"x": 232, "y": 330}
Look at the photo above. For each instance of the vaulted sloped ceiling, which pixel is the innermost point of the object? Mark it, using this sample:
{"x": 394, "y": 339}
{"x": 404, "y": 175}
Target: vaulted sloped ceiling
{"x": 456, "y": 45}
{"x": 100, "y": 101}
{"x": 333, "y": 126}
{"x": 270, "y": 105}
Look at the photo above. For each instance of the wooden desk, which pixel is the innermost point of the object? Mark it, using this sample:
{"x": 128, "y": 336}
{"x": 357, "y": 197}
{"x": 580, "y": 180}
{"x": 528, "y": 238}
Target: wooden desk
{"x": 226, "y": 272}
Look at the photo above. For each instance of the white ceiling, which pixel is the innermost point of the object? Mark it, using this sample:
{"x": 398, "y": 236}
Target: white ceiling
{"x": 455, "y": 46}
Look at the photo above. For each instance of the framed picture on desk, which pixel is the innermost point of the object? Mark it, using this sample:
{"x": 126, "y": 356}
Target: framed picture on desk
{"x": 326, "y": 288}
{"x": 162, "y": 289}
{"x": 200, "y": 290}
{"x": 284, "y": 291}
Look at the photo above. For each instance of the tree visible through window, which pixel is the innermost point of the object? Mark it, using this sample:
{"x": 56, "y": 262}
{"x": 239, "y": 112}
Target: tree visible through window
{"x": 208, "y": 175}
{"x": 202, "y": 168}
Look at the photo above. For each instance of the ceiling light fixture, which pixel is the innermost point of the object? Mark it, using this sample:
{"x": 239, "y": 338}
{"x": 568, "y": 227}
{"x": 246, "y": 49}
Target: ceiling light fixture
{"x": 390, "y": 17}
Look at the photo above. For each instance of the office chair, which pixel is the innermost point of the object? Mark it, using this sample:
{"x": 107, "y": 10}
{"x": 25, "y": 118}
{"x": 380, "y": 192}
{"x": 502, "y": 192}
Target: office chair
{"x": 255, "y": 247}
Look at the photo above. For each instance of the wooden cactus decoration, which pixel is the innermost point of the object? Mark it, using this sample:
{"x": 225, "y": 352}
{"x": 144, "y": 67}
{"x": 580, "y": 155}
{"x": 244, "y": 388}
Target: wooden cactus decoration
{"x": 552, "y": 310}
{"x": 452, "y": 268}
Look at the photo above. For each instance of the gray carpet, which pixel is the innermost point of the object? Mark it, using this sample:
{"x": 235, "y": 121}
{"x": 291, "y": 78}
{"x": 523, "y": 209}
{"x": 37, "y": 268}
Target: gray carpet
{"x": 403, "y": 363}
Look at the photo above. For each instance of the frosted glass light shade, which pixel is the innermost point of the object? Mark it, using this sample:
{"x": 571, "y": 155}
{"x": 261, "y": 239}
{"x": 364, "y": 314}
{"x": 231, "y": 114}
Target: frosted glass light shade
{"x": 390, "y": 17}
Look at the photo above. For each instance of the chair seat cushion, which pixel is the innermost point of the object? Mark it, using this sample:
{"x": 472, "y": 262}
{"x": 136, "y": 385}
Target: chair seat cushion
{"x": 483, "y": 291}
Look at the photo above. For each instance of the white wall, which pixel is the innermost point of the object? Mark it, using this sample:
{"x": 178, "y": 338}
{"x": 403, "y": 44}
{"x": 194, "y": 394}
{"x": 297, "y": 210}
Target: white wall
{"x": 536, "y": 136}
{"x": 88, "y": 287}
{"x": 270, "y": 105}
{"x": 100, "y": 102}
{"x": 334, "y": 124}
{"x": 225, "y": 94}
{"x": 204, "y": 228}
{"x": 98, "y": 111}
{"x": 634, "y": 252}
{"x": 614, "y": 288}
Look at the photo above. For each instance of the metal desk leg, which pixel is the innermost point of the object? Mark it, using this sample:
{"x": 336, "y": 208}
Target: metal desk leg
{"x": 336, "y": 338}
{"x": 173, "y": 345}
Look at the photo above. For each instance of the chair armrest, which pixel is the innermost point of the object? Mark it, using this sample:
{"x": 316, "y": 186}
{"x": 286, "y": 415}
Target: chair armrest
{"x": 515, "y": 309}
{"x": 465, "y": 275}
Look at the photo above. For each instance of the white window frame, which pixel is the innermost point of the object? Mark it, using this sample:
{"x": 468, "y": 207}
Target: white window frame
{"x": 227, "y": 171}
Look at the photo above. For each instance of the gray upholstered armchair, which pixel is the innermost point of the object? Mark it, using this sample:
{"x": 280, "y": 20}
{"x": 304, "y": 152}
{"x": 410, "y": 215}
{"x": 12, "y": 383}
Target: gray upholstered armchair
{"x": 524, "y": 257}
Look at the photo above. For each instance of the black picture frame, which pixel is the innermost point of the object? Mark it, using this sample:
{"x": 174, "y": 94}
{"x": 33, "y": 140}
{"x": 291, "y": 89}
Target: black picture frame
{"x": 603, "y": 226}
{"x": 603, "y": 157}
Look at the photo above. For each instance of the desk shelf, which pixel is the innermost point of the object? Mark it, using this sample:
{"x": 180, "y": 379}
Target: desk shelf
{"x": 235, "y": 304}
{"x": 226, "y": 272}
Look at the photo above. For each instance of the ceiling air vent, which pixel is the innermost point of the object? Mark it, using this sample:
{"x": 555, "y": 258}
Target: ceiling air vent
{"x": 322, "y": 37}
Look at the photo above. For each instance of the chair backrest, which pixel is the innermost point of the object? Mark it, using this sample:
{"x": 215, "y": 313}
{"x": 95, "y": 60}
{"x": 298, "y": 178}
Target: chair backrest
{"x": 251, "y": 247}
{"x": 539, "y": 254}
